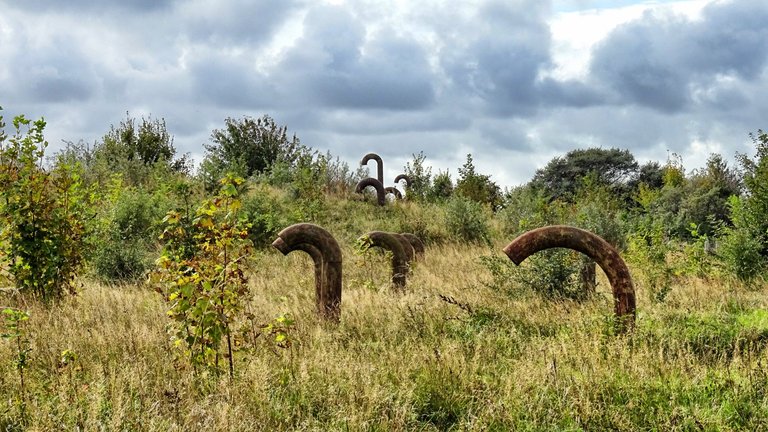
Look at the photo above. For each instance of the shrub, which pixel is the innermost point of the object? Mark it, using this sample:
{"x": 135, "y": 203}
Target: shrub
{"x": 467, "y": 221}
{"x": 127, "y": 239}
{"x": 43, "y": 214}
{"x": 552, "y": 273}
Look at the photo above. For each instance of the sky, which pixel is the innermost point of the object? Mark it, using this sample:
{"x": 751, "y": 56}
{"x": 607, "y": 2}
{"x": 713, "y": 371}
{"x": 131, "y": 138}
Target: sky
{"x": 513, "y": 82}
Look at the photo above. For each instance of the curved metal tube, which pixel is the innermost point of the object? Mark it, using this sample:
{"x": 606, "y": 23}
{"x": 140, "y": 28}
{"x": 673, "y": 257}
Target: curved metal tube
{"x": 381, "y": 194}
{"x": 410, "y": 252}
{"x": 403, "y": 177}
{"x": 592, "y": 245}
{"x": 393, "y": 190}
{"x": 391, "y": 243}
{"x": 326, "y": 254}
{"x": 416, "y": 243}
{"x": 379, "y": 165}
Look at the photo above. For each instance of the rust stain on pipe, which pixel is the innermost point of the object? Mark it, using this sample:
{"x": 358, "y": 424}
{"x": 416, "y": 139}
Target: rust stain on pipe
{"x": 391, "y": 243}
{"x": 379, "y": 165}
{"x": 416, "y": 243}
{"x": 381, "y": 194}
{"x": 592, "y": 245}
{"x": 326, "y": 254}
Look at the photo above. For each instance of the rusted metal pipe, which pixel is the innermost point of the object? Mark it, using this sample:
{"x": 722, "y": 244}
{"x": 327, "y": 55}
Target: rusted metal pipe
{"x": 393, "y": 191}
{"x": 381, "y": 194}
{"x": 416, "y": 243}
{"x": 391, "y": 243}
{"x": 592, "y": 245}
{"x": 379, "y": 165}
{"x": 326, "y": 254}
{"x": 410, "y": 253}
{"x": 403, "y": 177}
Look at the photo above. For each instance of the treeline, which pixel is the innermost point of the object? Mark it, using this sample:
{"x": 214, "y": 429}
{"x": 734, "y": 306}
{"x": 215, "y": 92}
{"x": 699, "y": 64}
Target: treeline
{"x": 97, "y": 208}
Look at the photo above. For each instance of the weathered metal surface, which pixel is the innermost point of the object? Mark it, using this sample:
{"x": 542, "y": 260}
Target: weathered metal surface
{"x": 403, "y": 177}
{"x": 379, "y": 165}
{"x": 416, "y": 243}
{"x": 410, "y": 252}
{"x": 590, "y": 244}
{"x": 393, "y": 190}
{"x": 326, "y": 254}
{"x": 381, "y": 194}
{"x": 391, "y": 243}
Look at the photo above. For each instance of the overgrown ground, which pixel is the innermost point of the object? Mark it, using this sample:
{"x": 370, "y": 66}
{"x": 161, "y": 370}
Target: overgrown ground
{"x": 458, "y": 351}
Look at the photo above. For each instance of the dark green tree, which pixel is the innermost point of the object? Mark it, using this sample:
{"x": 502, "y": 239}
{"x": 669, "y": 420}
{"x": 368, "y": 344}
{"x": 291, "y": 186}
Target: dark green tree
{"x": 139, "y": 150}
{"x": 247, "y": 147}
{"x": 420, "y": 176}
{"x": 562, "y": 176}
{"x": 477, "y": 187}
{"x": 442, "y": 187}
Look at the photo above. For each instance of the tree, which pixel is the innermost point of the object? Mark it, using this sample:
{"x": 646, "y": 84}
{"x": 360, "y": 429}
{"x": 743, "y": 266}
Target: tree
{"x": 42, "y": 213}
{"x": 247, "y": 147}
{"x": 134, "y": 149}
{"x": 562, "y": 176}
{"x": 477, "y": 187}
{"x": 442, "y": 187}
{"x": 420, "y": 177}
{"x": 755, "y": 177}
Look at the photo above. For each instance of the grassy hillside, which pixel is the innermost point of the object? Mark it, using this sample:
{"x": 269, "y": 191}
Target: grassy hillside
{"x": 457, "y": 351}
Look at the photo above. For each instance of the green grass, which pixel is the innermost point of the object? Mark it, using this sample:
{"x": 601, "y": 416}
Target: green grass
{"x": 452, "y": 353}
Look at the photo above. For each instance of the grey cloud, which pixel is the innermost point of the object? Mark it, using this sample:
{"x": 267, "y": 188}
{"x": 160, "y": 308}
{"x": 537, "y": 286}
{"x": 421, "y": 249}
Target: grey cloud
{"x": 338, "y": 66}
{"x": 229, "y": 81}
{"x": 658, "y": 61}
{"x": 499, "y": 55}
{"x": 238, "y": 22}
{"x": 51, "y": 73}
{"x": 92, "y": 5}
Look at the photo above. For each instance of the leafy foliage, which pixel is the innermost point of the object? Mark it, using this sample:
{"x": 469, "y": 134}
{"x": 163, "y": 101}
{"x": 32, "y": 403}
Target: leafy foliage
{"x": 562, "y": 176}
{"x": 477, "y": 187}
{"x": 246, "y": 147}
{"x": 467, "y": 221}
{"x": 205, "y": 283}
{"x": 43, "y": 214}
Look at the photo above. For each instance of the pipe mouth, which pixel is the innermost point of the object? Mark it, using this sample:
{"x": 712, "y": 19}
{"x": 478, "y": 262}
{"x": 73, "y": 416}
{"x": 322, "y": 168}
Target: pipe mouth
{"x": 512, "y": 254}
{"x": 281, "y": 245}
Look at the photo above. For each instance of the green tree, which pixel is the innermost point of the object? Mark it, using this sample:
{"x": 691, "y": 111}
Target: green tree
{"x": 442, "y": 187}
{"x": 562, "y": 176}
{"x": 477, "y": 187}
{"x": 136, "y": 148}
{"x": 247, "y": 147}
{"x": 42, "y": 213}
{"x": 420, "y": 176}
{"x": 755, "y": 202}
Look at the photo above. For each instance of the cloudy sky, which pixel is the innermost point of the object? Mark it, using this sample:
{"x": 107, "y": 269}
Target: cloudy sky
{"x": 514, "y": 82}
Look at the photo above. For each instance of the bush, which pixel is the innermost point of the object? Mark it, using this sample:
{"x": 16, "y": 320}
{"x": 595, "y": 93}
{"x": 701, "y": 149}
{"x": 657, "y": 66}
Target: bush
{"x": 43, "y": 214}
{"x": 467, "y": 221}
{"x": 127, "y": 239}
{"x": 264, "y": 215}
{"x": 552, "y": 273}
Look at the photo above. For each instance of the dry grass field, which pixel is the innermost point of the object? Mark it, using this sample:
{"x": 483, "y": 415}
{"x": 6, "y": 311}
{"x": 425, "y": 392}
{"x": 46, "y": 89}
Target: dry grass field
{"x": 453, "y": 353}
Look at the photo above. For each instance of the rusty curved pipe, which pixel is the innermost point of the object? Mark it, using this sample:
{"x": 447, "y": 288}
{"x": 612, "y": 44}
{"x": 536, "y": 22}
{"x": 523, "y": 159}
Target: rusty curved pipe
{"x": 326, "y": 254}
{"x": 393, "y": 191}
{"x": 379, "y": 165}
{"x": 416, "y": 243}
{"x": 592, "y": 245}
{"x": 410, "y": 252}
{"x": 381, "y": 194}
{"x": 391, "y": 243}
{"x": 403, "y": 177}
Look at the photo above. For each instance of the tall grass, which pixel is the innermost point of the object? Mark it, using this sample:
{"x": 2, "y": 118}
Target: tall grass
{"x": 452, "y": 353}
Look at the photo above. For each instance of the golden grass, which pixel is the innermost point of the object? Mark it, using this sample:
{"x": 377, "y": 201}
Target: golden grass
{"x": 413, "y": 361}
